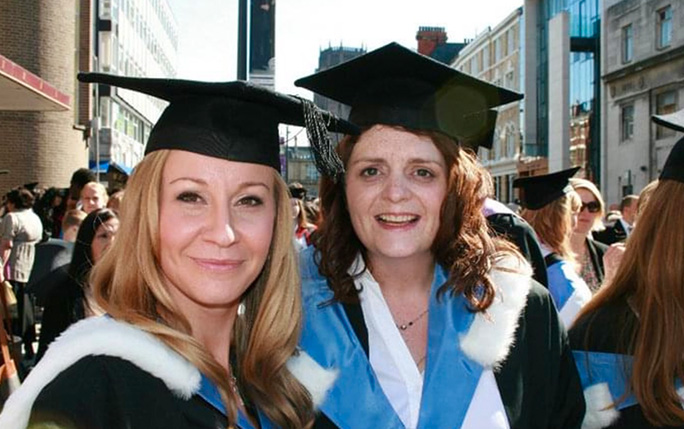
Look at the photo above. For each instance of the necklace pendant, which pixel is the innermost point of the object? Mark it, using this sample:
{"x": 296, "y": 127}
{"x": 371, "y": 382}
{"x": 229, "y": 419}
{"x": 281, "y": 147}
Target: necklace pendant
{"x": 403, "y": 327}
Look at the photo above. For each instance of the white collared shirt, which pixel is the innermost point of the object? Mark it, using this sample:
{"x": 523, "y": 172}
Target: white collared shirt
{"x": 397, "y": 373}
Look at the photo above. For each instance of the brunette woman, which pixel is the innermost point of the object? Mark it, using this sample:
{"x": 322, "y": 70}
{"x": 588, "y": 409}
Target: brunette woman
{"x": 71, "y": 299}
{"x": 430, "y": 322}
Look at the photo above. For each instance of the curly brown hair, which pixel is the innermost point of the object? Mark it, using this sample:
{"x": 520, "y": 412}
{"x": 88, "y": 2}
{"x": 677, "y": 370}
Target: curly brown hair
{"x": 463, "y": 244}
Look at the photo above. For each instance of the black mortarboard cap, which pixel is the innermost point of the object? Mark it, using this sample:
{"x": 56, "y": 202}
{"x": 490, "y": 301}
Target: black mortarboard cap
{"x": 394, "y": 85}
{"x": 674, "y": 164}
{"x": 236, "y": 120}
{"x": 482, "y": 133}
{"x": 538, "y": 191}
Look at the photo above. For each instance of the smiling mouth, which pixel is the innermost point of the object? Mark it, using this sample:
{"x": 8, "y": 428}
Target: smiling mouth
{"x": 218, "y": 264}
{"x": 396, "y": 220}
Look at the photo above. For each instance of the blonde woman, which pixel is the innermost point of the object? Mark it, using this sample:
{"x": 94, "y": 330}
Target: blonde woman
{"x": 201, "y": 287}
{"x": 551, "y": 206}
{"x": 588, "y": 252}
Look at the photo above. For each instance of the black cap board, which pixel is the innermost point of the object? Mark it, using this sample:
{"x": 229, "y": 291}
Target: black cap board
{"x": 674, "y": 164}
{"x": 236, "y": 120}
{"x": 538, "y": 191}
{"x": 394, "y": 85}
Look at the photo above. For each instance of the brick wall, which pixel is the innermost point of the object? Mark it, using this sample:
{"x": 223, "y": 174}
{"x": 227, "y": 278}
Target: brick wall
{"x": 39, "y": 35}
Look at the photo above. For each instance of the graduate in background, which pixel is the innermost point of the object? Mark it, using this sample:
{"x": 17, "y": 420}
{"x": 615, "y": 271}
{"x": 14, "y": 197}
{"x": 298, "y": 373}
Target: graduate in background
{"x": 551, "y": 206}
{"x": 430, "y": 321}
{"x": 629, "y": 340}
{"x": 200, "y": 288}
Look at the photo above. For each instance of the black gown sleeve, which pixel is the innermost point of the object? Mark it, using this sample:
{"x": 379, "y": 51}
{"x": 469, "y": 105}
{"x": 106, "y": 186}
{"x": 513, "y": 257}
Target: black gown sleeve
{"x": 109, "y": 393}
{"x": 538, "y": 382}
{"x": 520, "y": 233}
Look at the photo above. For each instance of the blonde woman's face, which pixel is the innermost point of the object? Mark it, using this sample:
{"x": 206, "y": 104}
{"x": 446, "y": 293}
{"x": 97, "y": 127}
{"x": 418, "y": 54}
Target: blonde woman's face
{"x": 586, "y": 219}
{"x": 216, "y": 223}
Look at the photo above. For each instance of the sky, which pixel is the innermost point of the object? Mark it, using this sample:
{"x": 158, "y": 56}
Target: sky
{"x": 208, "y": 31}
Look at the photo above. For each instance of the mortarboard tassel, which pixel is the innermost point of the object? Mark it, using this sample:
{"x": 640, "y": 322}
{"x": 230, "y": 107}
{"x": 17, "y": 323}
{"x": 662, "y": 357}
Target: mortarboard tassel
{"x": 326, "y": 159}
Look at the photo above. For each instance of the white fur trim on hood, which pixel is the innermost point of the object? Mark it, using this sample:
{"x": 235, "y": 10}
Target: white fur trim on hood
{"x": 101, "y": 336}
{"x": 600, "y": 411}
{"x": 492, "y": 333}
{"x": 316, "y": 379}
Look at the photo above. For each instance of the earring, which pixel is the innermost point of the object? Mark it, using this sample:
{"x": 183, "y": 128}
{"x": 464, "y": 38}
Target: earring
{"x": 241, "y": 309}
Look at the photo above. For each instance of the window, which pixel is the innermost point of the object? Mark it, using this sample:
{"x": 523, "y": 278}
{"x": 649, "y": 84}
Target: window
{"x": 627, "y": 119}
{"x": 666, "y": 102}
{"x": 511, "y": 41}
{"x": 627, "y": 43}
{"x": 497, "y": 50}
{"x": 664, "y": 27}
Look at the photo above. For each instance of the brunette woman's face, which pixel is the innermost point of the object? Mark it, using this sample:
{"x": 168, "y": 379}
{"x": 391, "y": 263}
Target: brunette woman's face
{"x": 104, "y": 236}
{"x": 586, "y": 219}
{"x": 216, "y": 221}
{"x": 396, "y": 182}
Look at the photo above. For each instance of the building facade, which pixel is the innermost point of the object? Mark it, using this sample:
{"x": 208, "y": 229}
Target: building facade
{"x": 41, "y": 145}
{"x": 643, "y": 74}
{"x": 301, "y": 168}
{"x": 495, "y": 56}
{"x": 561, "y": 47}
{"x": 136, "y": 38}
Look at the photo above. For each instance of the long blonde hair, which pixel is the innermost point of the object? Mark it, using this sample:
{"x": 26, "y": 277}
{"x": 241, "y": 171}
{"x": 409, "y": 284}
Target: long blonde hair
{"x": 553, "y": 223}
{"x": 129, "y": 285}
{"x": 651, "y": 274}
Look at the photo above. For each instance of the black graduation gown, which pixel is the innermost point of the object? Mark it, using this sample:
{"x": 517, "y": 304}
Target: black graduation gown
{"x": 65, "y": 306}
{"x": 520, "y": 233}
{"x": 107, "y": 392}
{"x": 538, "y": 381}
{"x": 596, "y": 250}
{"x": 598, "y": 333}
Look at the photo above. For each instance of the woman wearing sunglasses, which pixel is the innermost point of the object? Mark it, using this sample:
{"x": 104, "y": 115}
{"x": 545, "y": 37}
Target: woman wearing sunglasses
{"x": 588, "y": 252}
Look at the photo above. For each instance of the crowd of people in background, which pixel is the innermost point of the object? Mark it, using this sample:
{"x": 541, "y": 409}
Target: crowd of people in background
{"x": 50, "y": 239}
{"x": 406, "y": 296}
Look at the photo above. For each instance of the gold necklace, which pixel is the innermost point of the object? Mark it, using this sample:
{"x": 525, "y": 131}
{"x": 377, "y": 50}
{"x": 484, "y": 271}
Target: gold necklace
{"x": 405, "y": 326}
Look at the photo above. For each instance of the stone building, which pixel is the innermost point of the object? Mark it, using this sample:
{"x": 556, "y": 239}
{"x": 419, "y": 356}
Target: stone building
{"x": 643, "y": 74}
{"x": 495, "y": 56}
{"x": 41, "y": 144}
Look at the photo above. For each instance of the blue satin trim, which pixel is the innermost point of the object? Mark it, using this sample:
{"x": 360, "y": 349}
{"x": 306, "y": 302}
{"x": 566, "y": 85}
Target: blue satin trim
{"x": 609, "y": 368}
{"x": 561, "y": 284}
{"x": 356, "y": 400}
{"x": 450, "y": 377}
{"x": 209, "y": 392}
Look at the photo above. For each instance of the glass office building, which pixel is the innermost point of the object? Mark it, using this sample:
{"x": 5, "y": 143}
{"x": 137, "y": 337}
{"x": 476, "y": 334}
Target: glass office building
{"x": 584, "y": 85}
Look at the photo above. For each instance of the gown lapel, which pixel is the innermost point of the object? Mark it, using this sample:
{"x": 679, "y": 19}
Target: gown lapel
{"x": 331, "y": 338}
{"x": 450, "y": 377}
{"x": 211, "y": 395}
